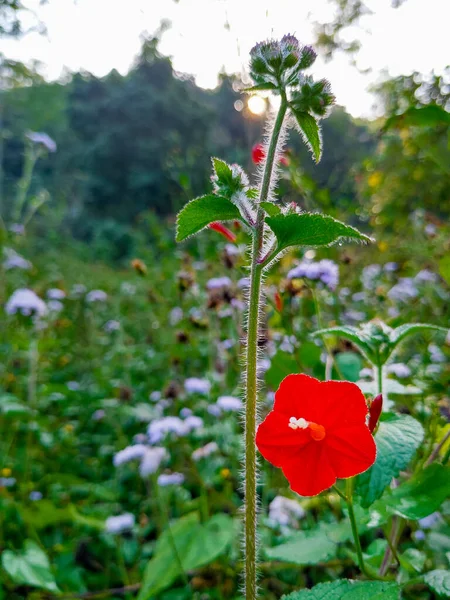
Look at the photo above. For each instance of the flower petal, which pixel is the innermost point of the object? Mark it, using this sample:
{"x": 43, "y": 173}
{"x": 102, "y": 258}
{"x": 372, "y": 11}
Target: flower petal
{"x": 298, "y": 396}
{"x": 310, "y": 472}
{"x": 277, "y": 441}
{"x": 350, "y": 450}
{"x": 341, "y": 404}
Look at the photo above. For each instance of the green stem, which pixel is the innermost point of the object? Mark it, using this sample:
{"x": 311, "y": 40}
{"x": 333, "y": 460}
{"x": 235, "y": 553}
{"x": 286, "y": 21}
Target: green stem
{"x": 251, "y": 384}
{"x": 351, "y": 514}
{"x": 379, "y": 369}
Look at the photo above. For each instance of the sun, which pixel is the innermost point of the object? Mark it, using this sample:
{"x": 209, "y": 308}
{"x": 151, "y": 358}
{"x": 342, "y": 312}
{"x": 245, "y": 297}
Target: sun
{"x": 257, "y": 105}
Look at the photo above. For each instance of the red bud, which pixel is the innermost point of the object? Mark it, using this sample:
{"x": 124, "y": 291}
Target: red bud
{"x": 278, "y": 302}
{"x": 374, "y": 412}
{"x": 223, "y": 231}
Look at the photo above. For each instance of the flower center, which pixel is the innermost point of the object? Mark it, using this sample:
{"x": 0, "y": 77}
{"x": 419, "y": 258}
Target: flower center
{"x": 317, "y": 432}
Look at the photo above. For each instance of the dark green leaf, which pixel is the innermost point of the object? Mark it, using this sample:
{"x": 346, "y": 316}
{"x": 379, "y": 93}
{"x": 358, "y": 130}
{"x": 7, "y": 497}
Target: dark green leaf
{"x": 199, "y": 213}
{"x": 346, "y": 589}
{"x": 196, "y": 545}
{"x": 403, "y": 331}
{"x": 260, "y": 87}
{"x": 426, "y": 116}
{"x": 397, "y": 439}
{"x": 349, "y": 365}
{"x": 439, "y": 581}
{"x": 348, "y": 333}
{"x": 271, "y": 209}
{"x": 422, "y": 494}
{"x": 311, "y": 229}
{"x": 30, "y": 567}
{"x": 310, "y": 131}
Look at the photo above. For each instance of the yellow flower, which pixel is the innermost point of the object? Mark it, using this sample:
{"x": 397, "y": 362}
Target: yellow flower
{"x": 225, "y": 473}
{"x": 6, "y": 472}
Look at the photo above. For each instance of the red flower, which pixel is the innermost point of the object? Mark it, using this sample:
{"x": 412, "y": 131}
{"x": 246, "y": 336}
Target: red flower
{"x": 258, "y": 153}
{"x": 223, "y": 230}
{"x": 316, "y": 433}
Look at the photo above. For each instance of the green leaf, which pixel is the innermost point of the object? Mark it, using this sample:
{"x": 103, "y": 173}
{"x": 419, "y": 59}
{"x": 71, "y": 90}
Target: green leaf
{"x": 444, "y": 269}
{"x": 314, "y": 546}
{"x": 30, "y": 567}
{"x": 281, "y": 365}
{"x": 349, "y": 365}
{"x": 199, "y": 213}
{"x": 223, "y": 171}
{"x": 309, "y": 128}
{"x": 196, "y": 545}
{"x": 422, "y": 494}
{"x": 347, "y": 589}
{"x": 397, "y": 439}
{"x": 271, "y": 209}
{"x": 426, "y": 116}
{"x": 311, "y": 229}
{"x": 11, "y": 406}
{"x": 439, "y": 581}
{"x": 399, "y": 333}
{"x": 348, "y": 333}
{"x": 260, "y": 87}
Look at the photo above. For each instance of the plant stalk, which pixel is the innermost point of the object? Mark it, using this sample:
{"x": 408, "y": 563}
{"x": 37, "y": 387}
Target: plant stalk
{"x": 251, "y": 383}
{"x": 351, "y": 514}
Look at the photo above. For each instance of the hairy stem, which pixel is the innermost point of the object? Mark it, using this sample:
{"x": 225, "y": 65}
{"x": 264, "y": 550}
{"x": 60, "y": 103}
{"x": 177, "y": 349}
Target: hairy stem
{"x": 251, "y": 384}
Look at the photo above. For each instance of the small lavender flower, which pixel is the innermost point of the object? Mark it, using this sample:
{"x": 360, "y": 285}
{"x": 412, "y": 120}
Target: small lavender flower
{"x": 430, "y": 521}
{"x": 111, "y": 326}
{"x": 27, "y": 303}
{"x": 229, "y": 403}
{"x": 205, "y": 451}
{"x": 175, "y": 315}
{"x": 13, "y": 260}
{"x": 78, "y": 290}
{"x": 214, "y": 410}
{"x": 98, "y": 415}
{"x": 155, "y": 396}
{"x": 436, "y": 354}
{"x": 7, "y": 482}
{"x": 185, "y": 412}
{"x": 217, "y": 283}
{"x": 430, "y": 229}
{"x": 73, "y": 386}
{"x": 17, "y": 228}
{"x": 128, "y": 289}
{"x": 170, "y": 479}
{"x": 285, "y": 511}
{"x": 129, "y": 453}
{"x": 243, "y": 283}
{"x": 404, "y": 290}
{"x": 119, "y": 524}
{"x": 400, "y": 370}
{"x": 195, "y": 385}
{"x": 152, "y": 460}
{"x": 325, "y": 271}
{"x": 158, "y": 429}
{"x": 56, "y": 294}
{"x": 42, "y": 139}
{"x": 192, "y": 423}
{"x": 35, "y": 496}
{"x": 426, "y": 276}
{"x": 96, "y": 296}
{"x": 55, "y": 306}
{"x": 390, "y": 267}
{"x": 369, "y": 276}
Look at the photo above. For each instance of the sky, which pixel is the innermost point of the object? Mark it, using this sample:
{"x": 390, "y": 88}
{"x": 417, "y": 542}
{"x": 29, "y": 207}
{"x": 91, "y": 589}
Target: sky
{"x": 207, "y": 36}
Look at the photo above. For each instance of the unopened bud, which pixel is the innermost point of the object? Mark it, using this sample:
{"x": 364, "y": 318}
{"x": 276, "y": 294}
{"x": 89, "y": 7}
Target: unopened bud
{"x": 374, "y": 412}
{"x": 139, "y": 266}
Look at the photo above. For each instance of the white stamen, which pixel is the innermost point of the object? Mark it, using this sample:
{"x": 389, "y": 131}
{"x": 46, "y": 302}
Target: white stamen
{"x": 298, "y": 423}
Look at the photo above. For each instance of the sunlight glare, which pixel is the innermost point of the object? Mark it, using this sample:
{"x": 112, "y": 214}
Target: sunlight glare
{"x": 257, "y": 105}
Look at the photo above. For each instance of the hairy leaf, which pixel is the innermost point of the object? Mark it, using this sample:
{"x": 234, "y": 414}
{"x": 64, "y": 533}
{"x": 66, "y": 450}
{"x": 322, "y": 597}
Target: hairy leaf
{"x": 397, "y": 439}
{"x": 409, "y": 328}
{"x": 30, "y": 567}
{"x": 439, "y": 581}
{"x": 309, "y": 128}
{"x": 422, "y": 494}
{"x": 311, "y": 229}
{"x": 199, "y": 213}
{"x": 347, "y": 589}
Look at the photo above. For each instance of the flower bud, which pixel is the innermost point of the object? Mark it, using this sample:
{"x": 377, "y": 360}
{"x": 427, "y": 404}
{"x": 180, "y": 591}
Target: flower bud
{"x": 139, "y": 266}
{"x": 313, "y": 97}
{"x": 374, "y": 412}
{"x": 229, "y": 235}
